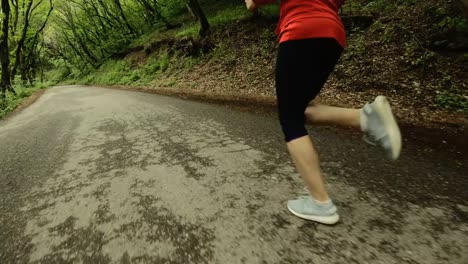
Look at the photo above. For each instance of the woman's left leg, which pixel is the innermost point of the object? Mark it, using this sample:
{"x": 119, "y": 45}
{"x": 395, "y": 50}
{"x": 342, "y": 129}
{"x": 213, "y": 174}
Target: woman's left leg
{"x": 303, "y": 67}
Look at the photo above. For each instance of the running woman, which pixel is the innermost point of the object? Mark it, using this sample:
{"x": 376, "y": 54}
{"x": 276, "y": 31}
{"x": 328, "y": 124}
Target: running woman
{"x": 312, "y": 38}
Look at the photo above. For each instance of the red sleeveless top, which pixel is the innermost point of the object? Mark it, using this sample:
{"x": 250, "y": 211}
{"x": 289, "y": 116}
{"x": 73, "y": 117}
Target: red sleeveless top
{"x": 303, "y": 19}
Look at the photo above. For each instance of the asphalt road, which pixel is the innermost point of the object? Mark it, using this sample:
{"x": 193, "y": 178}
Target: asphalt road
{"x": 92, "y": 175}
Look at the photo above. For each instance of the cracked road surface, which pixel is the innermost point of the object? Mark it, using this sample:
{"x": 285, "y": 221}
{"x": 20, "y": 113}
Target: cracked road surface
{"x": 92, "y": 175}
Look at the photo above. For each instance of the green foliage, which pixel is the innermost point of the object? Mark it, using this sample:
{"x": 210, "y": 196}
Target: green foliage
{"x": 424, "y": 60}
{"x": 11, "y": 101}
{"x": 154, "y": 66}
{"x": 173, "y": 8}
{"x": 380, "y": 6}
{"x": 6, "y": 105}
{"x": 438, "y": 12}
{"x": 416, "y": 58}
{"x": 189, "y": 62}
{"x": 458, "y": 24}
{"x": 269, "y": 10}
{"x": 216, "y": 17}
{"x": 126, "y": 72}
{"x": 86, "y": 34}
{"x": 352, "y": 7}
{"x": 151, "y": 67}
{"x": 408, "y": 2}
{"x": 223, "y": 52}
{"x": 188, "y": 31}
{"x": 357, "y": 47}
{"x": 268, "y": 42}
{"x": 164, "y": 62}
{"x": 450, "y": 100}
{"x": 229, "y": 14}
{"x": 388, "y": 33}
{"x": 59, "y": 71}
{"x": 22, "y": 93}
{"x": 114, "y": 72}
{"x": 447, "y": 22}
{"x": 26, "y": 30}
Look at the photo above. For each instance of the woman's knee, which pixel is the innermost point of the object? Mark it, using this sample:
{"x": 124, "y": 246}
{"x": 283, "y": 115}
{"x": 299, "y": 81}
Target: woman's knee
{"x": 311, "y": 112}
{"x": 293, "y": 126}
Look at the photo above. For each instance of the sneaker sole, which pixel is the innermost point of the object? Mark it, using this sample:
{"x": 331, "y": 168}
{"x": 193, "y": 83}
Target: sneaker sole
{"x": 384, "y": 111}
{"x": 327, "y": 220}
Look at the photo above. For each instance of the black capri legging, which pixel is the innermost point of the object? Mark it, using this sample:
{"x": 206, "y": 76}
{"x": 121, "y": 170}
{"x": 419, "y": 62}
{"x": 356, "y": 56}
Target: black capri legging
{"x": 302, "y": 68}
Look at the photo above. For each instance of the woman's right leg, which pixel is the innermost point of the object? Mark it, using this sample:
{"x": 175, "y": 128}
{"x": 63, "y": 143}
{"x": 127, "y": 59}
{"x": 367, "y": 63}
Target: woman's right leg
{"x": 328, "y": 115}
{"x": 376, "y": 120}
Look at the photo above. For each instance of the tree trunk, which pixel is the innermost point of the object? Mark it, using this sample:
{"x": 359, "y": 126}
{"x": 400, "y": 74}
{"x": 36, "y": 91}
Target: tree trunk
{"x": 19, "y": 48}
{"x": 194, "y": 16}
{"x": 196, "y": 8}
{"x": 23, "y": 73}
{"x": 4, "y": 50}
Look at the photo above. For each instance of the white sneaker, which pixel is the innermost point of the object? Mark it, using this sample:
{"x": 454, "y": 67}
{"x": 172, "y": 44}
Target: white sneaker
{"x": 380, "y": 127}
{"x": 307, "y": 208}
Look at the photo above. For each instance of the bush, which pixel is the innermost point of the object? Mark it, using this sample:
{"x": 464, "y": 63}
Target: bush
{"x": 457, "y": 24}
{"x": 11, "y": 101}
{"x": 449, "y": 100}
{"x": 173, "y": 8}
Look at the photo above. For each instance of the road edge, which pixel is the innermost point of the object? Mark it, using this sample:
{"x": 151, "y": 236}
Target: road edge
{"x": 264, "y": 103}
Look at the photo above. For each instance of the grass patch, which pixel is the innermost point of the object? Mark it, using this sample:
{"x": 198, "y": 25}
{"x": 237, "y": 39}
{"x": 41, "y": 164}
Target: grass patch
{"x": 227, "y": 15}
{"x": 449, "y": 100}
{"x": 188, "y": 31}
{"x": 125, "y": 72}
{"x": 113, "y": 72}
{"x": 270, "y": 10}
{"x": 11, "y": 101}
{"x": 145, "y": 39}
